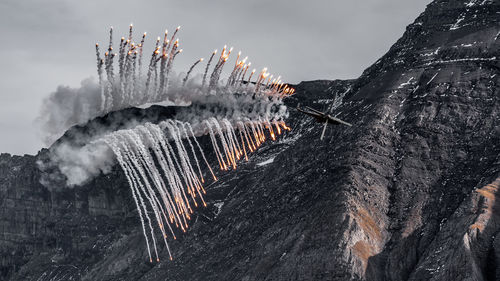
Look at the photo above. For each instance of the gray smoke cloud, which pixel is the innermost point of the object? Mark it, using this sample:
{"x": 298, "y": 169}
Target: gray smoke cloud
{"x": 79, "y": 164}
{"x": 123, "y": 83}
{"x": 67, "y": 107}
{"x": 80, "y": 161}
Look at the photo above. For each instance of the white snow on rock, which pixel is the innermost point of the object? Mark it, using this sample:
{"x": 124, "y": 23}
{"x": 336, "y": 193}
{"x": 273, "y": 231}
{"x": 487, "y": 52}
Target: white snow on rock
{"x": 268, "y": 161}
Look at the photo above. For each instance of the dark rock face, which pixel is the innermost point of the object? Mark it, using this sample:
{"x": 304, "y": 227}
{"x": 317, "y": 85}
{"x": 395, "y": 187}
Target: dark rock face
{"x": 407, "y": 193}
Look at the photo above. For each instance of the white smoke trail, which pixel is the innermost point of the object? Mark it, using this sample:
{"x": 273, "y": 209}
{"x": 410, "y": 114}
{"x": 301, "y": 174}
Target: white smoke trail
{"x": 132, "y": 184}
{"x": 139, "y": 150}
{"x": 160, "y": 161}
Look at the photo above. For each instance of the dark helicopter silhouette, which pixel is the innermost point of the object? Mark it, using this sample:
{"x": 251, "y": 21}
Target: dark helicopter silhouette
{"x": 322, "y": 117}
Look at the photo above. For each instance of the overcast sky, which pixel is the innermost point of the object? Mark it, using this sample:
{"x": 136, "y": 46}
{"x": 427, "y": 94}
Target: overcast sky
{"x": 51, "y": 42}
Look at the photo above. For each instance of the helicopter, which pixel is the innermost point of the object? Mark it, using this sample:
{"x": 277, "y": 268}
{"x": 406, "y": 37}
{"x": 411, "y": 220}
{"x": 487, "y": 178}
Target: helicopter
{"x": 322, "y": 117}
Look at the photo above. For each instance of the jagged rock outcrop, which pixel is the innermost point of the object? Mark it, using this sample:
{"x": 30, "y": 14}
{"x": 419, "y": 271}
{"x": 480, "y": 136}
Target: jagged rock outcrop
{"x": 408, "y": 193}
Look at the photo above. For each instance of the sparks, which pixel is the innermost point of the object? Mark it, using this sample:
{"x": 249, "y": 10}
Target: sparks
{"x": 163, "y": 162}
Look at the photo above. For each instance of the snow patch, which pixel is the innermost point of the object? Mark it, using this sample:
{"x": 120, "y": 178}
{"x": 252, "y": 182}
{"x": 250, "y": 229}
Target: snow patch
{"x": 471, "y": 3}
{"x": 402, "y": 85}
{"x": 219, "y": 207}
{"x": 456, "y": 25}
{"x": 460, "y": 60}
{"x": 435, "y": 52}
{"x": 268, "y": 161}
{"x": 433, "y": 78}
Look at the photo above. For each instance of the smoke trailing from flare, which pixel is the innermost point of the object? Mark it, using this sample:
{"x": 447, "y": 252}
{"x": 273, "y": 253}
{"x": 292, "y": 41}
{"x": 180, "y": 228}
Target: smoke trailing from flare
{"x": 164, "y": 172}
{"x": 126, "y": 80}
{"x": 164, "y": 163}
{"x": 129, "y": 87}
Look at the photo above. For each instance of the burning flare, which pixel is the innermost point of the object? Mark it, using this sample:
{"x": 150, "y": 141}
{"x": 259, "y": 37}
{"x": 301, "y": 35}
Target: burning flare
{"x": 129, "y": 86}
{"x": 162, "y": 161}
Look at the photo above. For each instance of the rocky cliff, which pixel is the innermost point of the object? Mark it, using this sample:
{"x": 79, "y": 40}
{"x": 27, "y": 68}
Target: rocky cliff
{"x": 408, "y": 193}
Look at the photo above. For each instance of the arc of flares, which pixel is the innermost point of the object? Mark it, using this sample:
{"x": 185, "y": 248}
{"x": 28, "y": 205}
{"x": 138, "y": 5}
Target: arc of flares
{"x": 168, "y": 192}
{"x": 133, "y": 87}
{"x": 161, "y": 162}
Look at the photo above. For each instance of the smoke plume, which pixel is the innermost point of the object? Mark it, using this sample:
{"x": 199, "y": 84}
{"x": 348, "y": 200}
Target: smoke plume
{"x": 162, "y": 160}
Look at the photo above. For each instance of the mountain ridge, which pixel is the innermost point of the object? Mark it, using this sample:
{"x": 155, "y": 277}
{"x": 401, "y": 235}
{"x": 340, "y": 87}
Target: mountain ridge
{"x": 407, "y": 193}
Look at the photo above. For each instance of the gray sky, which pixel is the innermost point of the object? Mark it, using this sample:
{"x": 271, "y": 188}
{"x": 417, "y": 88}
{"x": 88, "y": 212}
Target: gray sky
{"x": 51, "y": 42}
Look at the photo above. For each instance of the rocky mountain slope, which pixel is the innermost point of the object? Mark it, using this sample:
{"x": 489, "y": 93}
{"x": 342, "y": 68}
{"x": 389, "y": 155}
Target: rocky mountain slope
{"x": 408, "y": 193}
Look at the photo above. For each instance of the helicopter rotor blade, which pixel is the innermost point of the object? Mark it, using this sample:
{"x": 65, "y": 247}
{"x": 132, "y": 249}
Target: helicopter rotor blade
{"x": 324, "y": 130}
